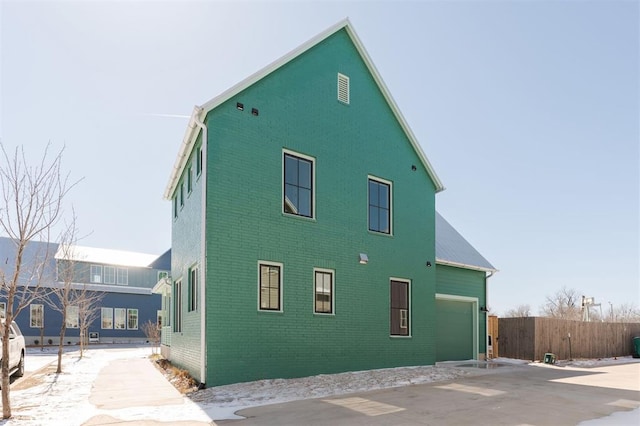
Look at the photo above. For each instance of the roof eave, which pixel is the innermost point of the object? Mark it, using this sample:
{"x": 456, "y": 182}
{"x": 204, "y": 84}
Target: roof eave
{"x": 465, "y": 266}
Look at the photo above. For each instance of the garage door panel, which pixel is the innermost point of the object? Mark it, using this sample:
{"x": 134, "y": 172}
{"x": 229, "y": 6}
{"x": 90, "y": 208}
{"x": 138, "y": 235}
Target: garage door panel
{"x": 454, "y": 330}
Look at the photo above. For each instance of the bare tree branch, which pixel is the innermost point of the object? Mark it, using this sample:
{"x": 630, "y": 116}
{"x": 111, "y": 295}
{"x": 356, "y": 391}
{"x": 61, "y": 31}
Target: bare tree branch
{"x": 31, "y": 205}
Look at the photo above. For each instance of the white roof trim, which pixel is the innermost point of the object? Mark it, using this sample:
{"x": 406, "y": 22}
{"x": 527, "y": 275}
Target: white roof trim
{"x": 200, "y": 112}
{"x": 100, "y": 288}
{"x": 465, "y": 266}
{"x": 105, "y": 256}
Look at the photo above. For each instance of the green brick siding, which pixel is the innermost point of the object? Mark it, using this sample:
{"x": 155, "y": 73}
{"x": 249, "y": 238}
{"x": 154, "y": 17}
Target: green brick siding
{"x": 185, "y": 253}
{"x": 299, "y": 111}
{"x": 468, "y": 283}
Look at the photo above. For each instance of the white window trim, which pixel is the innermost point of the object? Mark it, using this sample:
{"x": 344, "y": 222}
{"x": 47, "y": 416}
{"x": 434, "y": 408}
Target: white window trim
{"x": 269, "y": 263}
{"x": 92, "y": 276}
{"x": 386, "y": 182}
{"x": 333, "y": 291}
{"x": 126, "y": 276}
{"x": 104, "y": 274}
{"x": 115, "y": 318}
{"x": 410, "y": 316}
{"x": 102, "y": 310}
{"x": 76, "y": 317}
{"x": 313, "y": 184}
{"x": 31, "y": 307}
{"x": 474, "y": 310}
{"x": 137, "y": 319}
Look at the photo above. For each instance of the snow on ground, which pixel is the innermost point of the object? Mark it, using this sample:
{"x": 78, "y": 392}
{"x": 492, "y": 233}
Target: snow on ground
{"x": 46, "y": 398}
{"x": 221, "y": 402}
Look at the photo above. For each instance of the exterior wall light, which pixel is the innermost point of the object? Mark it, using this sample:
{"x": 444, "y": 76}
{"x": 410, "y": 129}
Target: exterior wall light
{"x": 364, "y": 259}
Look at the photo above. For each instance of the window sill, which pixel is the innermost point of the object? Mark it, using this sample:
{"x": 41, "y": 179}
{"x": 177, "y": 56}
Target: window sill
{"x": 299, "y": 217}
{"x": 392, "y": 336}
{"x": 269, "y": 311}
{"x": 380, "y": 234}
{"x": 321, "y": 314}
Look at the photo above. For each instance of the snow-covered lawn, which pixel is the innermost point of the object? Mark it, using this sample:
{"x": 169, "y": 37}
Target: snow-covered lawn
{"x": 43, "y": 397}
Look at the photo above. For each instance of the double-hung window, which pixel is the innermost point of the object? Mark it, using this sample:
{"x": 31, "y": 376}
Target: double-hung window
{"x": 123, "y": 276}
{"x": 132, "y": 319}
{"x": 323, "y": 291}
{"x": 270, "y": 286}
{"x": 120, "y": 318}
{"x": 298, "y": 185}
{"x": 109, "y": 275}
{"x": 400, "y": 308}
{"x": 36, "y": 315}
{"x": 73, "y": 317}
{"x": 106, "y": 318}
{"x": 379, "y": 205}
{"x": 96, "y": 274}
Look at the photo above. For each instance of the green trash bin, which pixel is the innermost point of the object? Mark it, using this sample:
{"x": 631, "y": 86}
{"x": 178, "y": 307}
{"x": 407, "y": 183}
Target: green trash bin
{"x": 636, "y": 346}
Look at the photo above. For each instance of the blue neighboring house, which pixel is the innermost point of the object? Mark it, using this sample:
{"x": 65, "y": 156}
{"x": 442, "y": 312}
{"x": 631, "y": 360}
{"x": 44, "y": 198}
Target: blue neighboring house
{"x": 125, "y": 280}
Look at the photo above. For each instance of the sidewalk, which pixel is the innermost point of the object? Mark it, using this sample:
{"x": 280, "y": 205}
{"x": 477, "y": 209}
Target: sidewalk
{"x": 135, "y": 385}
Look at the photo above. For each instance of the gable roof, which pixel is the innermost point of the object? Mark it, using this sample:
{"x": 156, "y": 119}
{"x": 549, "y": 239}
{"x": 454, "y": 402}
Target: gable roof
{"x": 200, "y": 112}
{"x": 453, "y": 250}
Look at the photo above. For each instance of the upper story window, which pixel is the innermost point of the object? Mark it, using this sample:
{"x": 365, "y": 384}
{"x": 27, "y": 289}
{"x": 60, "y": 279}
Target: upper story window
{"x": 189, "y": 180}
{"x": 298, "y": 185}
{"x": 379, "y": 205}
{"x": 96, "y": 274}
{"x": 122, "y": 276}
{"x": 181, "y": 194}
{"x": 109, "y": 275}
{"x": 199, "y": 160}
{"x": 175, "y": 207}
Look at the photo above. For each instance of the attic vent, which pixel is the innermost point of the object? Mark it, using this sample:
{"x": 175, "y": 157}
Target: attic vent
{"x": 343, "y": 88}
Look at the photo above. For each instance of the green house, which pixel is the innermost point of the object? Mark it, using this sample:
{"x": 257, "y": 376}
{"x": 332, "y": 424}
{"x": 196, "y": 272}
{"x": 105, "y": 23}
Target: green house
{"x": 304, "y": 230}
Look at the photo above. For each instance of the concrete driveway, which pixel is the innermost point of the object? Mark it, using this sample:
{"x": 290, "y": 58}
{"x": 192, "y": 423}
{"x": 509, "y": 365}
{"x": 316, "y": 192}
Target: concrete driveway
{"x": 522, "y": 395}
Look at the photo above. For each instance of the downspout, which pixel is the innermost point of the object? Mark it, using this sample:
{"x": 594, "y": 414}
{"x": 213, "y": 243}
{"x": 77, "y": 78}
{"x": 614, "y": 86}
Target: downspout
{"x": 203, "y": 248}
{"x": 486, "y": 318}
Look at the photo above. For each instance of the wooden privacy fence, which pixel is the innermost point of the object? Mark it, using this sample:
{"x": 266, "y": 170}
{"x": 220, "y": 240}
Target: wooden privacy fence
{"x": 530, "y": 338}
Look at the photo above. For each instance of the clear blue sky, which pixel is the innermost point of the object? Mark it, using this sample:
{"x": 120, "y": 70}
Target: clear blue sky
{"x": 527, "y": 110}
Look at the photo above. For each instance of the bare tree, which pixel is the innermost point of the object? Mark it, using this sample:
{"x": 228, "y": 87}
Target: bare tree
{"x": 564, "y": 304}
{"x": 521, "y": 311}
{"x": 152, "y": 331}
{"x": 626, "y": 312}
{"x": 30, "y": 207}
{"x": 88, "y": 302}
{"x": 76, "y": 302}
